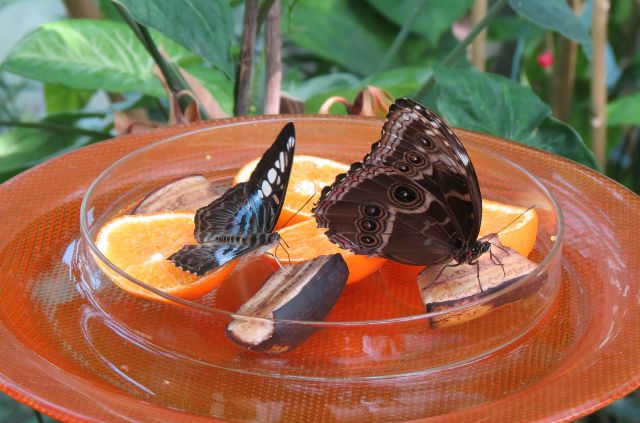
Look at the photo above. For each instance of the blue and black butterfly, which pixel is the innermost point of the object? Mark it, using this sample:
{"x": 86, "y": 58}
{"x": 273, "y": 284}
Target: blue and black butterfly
{"x": 241, "y": 221}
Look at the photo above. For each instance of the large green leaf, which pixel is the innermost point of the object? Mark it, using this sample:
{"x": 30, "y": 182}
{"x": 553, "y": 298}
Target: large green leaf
{"x": 203, "y": 26}
{"x": 347, "y": 33}
{"x": 220, "y": 87}
{"x": 499, "y": 106}
{"x": 60, "y": 98}
{"x": 21, "y": 148}
{"x": 306, "y": 89}
{"x": 559, "y": 138}
{"x": 624, "y": 111}
{"x": 434, "y": 19}
{"x": 91, "y": 55}
{"x": 555, "y": 15}
{"x": 488, "y": 103}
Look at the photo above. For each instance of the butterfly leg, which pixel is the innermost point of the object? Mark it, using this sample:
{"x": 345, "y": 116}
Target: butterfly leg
{"x": 275, "y": 257}
{"x": 477, "y": 263}
{"x": 496, "y": 260}
{"x": 285, "y": 250}
{"x": 502, "y": 248}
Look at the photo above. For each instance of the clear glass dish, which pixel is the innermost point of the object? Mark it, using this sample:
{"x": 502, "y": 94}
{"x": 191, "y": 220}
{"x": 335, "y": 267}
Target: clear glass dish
{"x": 377, "y": 328}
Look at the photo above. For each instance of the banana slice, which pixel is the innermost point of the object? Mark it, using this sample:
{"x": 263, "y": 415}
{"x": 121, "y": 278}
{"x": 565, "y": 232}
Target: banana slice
{"x": 186, "y": 193}
{"x": 305, "y": 292}
{"x": 460, "y": 285}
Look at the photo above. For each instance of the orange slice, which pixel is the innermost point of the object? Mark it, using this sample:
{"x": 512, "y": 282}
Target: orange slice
{"x": 306, "y": 242}
{"x": 309, "y": 175}
{"x": 520, "y": 235}
{"x": 140, "y": 244}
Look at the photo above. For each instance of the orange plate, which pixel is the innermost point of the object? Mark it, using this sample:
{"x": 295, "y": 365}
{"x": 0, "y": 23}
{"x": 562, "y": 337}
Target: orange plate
{"x": 59, "y": 356}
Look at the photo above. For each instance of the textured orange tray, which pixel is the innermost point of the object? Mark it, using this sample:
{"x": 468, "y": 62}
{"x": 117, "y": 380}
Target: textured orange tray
{"x": 59, "y": 356}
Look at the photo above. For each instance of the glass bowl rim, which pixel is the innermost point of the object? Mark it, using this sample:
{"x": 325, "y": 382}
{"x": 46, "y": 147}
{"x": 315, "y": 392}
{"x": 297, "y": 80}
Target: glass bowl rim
{"x": 85, "y": 233}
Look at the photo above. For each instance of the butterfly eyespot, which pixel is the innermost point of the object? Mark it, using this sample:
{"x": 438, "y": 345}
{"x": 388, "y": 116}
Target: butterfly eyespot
{"x": 375, "y": 144}
{"x": 415, "y": 159}
{"x": 404, "y": 196}
{"x": 367, "y": 157}
{"x": 372, "y": 211}
{"x": 402, "y": 167}
{"x": 368, "y": 225}
{"x": 368, "y": 240}
{"x": 340, "y": 177}
{"x": 425, "y": 141}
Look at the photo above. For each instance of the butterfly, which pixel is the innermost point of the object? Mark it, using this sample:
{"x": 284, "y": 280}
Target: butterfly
{"x": 414, "y": 198}
{"x": 241, "y": 221}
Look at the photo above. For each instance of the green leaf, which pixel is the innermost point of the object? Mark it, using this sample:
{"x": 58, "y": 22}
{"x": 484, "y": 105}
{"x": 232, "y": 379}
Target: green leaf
{"x": 434, "y": 19}
{"x": 624, "y": 111}
{"x": 499, "y": 106}
{"x": 92, "y": 55}
{"x": 220, "y": 87}
{"x": 203, "y": 26}
{"x": 488, "y": 103}
{"x": 60, "y": 98}
{"x": 347, "y": 33}
{"x": 304, "y": 90}
{"x": 21, "y": 148}
{"x": 555, "y": 15}
{"x": 559, "y": 138}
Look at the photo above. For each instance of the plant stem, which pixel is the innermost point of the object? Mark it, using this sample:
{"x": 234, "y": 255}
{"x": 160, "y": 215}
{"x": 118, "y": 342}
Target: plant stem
{"x": 564, "y": 73}
{"x": 479, "y": 45}
{"x": 172, "y": 76}
{"x": 599, "y": 82}
{"x": 83, "y": 9}
{"x": 245, "y": 59}
{"x": 54, "y": 127}
{"x": 462, "y": 45}
{"x": 174, "y": 82}
{"x": 516, "y": 61}
{"x": 401, "y": 37}
{"x": 273, "y": 61}
{"x": 264, "y": 12}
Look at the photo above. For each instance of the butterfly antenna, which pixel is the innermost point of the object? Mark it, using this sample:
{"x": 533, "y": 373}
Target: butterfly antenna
{"x": 511, "y": 223}
{"x": 298, "y": 211}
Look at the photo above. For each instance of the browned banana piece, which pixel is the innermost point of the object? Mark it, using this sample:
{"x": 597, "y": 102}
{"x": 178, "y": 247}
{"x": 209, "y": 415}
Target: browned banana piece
{"x": 459, "y": 285}
{"x": 304, "y": 292}
{"x": 186, "y": 193}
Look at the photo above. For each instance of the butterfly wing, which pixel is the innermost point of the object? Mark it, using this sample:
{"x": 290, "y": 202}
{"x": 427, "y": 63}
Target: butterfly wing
{"x": 417, "y": 143}
{"x": 375, "y": 210}
{"x": 202, "y": 258}
{"x": 251, "y": 207}
{"x": 420, "y": 153}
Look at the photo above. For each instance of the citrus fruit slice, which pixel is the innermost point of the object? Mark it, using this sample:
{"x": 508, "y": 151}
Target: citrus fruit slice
{"x": 309, "y": 175}
{"x": 140, "y": 244}
{"x": 519, "y": 235}
{"x": 306, "y": 242}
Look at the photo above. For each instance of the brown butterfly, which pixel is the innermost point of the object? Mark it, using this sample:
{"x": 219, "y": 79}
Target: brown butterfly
{"x": 414, "y": 198}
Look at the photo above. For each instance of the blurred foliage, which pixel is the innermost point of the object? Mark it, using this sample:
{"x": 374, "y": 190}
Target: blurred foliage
{"x": 84, "y": 70}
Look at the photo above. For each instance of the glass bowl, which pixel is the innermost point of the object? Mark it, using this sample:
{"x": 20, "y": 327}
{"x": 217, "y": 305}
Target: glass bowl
{"x": 377, "y": 329}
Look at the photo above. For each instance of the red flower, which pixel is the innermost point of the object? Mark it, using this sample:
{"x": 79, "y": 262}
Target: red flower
{"x": 545, "y": 59}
